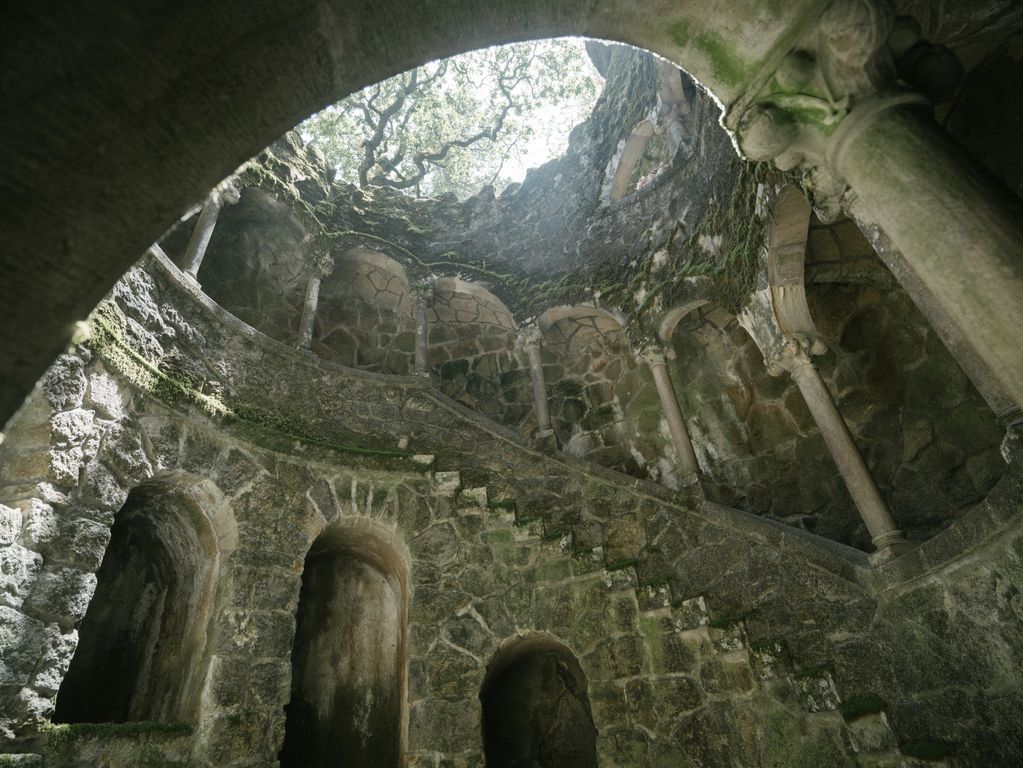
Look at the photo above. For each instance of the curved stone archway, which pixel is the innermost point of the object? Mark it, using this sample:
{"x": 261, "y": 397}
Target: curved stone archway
{"x": 145, "y": 642}
{"x": 471, "y": 348}
{"x": 178, "y": 103}
{"x": 536, "y": 708}
{"x": 348, "y": 690}
{"x": 365, "y": 315}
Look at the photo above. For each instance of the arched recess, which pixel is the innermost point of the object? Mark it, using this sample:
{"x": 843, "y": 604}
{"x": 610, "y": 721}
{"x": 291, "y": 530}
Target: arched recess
{"x": 536, "y": 709}
{"x": 365, "y": 315}
{"x": 597, "y": 392}
{"x": 349, "y": 661}
{"x": 146, "y": 640}
{"x": 658, "y": 141}
{"x": 471, "y": 348}
{"x": 239, "y": 78}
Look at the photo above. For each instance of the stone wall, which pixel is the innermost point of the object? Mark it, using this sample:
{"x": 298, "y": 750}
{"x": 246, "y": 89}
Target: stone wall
{"x": 707, "y": 637}
{"x": 931, "y": 442}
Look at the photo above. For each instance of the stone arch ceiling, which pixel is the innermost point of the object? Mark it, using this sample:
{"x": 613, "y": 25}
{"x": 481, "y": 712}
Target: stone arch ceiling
{"x": 115, "y": 123}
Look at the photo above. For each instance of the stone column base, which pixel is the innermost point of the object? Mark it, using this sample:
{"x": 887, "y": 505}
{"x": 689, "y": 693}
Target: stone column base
{"x": 890, "y": 551}
{"x": 546, "y": 440}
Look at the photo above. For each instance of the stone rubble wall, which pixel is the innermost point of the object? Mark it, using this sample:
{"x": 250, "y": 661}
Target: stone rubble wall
{"x": 932, "y": 444}
{"x": 708, "y": 637}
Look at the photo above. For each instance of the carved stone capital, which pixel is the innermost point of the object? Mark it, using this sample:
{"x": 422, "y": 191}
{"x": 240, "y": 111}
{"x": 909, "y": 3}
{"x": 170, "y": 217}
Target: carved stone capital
{"x": 226, "y": 192}
{"x": 423, "y": 290}
{"x": 652, "y": 356}
{"x": 782, "y": 352}
{"x": 841, "y": 68}
{"x": 322, "y": 264}
{"x": 530, "y": 336}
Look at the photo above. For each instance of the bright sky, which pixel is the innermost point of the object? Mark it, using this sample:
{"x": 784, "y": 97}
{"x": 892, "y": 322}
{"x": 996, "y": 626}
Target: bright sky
{"x": 552, "y": 125}
{"x": 558, "y": 66}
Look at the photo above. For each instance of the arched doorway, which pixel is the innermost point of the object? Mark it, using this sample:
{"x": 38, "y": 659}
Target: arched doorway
{"x": 347, "y": 702}
{"x": 536, "y": 710}
{"x": 144, "y": 644}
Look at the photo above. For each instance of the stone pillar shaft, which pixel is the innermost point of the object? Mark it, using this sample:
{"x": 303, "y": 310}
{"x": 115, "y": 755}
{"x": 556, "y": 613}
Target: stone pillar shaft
{"x": 961, "y": 232}
{"x": 847, "y": 457}
{"x": 201, "y": 235}
{"x": 312, "y": 299}
{"x": 676, "y": 423}
{"x": 540, "y": 405}
{"x": 422, "y": 361}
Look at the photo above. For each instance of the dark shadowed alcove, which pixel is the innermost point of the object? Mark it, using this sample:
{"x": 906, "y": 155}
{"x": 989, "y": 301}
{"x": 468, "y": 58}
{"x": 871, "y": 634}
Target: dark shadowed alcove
{"x": 144, "y": 646}
{"x": 536, "y": 711}
{"x": 348, "y": 659}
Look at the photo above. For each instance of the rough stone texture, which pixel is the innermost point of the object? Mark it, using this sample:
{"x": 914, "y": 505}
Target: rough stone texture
{"x": 555, "y": 238}
{"x": 930, "y": 441}
{"x": 706, "y": 636}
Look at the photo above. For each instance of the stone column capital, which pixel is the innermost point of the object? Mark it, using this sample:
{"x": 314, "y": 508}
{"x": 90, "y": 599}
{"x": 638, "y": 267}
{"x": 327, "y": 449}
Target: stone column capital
{"x": 530, "y": 336}
{"x": 423, "y": 290}
{"x": 226, "y": 192}
{"x": 788, "y": 355}
{"x": 841, "y": 72}
{"x": 652, "y": 355}
{"x": 322, "y": 264}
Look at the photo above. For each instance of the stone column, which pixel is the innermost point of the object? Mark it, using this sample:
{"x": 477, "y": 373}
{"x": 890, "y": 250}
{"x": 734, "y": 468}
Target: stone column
{"x": 669, "y": 403}
{"x": 225, "y": 193}
{"x": 529, "y": 337}
{"x": 323, "y": 265}
{"x": 888, "y": 540}
{"x": 959, "y": 230}
{"x": 836, "y": 111}
{"x": 423, "y": 293}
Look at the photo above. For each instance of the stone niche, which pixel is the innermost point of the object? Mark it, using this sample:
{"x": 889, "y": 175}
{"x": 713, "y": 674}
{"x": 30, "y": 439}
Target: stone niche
{"x": 535, "y": 708}
{"x": 349, "y": 657}
{"x": 143, "y": 647}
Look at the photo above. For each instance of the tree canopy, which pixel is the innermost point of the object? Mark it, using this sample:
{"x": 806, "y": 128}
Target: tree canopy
{"x": 458, "y": 124}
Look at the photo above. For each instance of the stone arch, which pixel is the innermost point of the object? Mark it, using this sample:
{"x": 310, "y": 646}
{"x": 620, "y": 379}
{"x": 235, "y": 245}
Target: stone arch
{"x": 365, "y": 316}
{"x": 536, "y": 708}
{"x": 654, "y": 143}
{"x": 675, "y": 315}
{"x": 146, "y": 640}
{"x": 472, "y": 348}
{"x": 282, "y": 65}
{"x": 349, "y": 657}
{"x": 598, "y": 394}
{"x": 256, "y": 265}
{"x": 577, "y": 326}
{"x": 786, "y": 263}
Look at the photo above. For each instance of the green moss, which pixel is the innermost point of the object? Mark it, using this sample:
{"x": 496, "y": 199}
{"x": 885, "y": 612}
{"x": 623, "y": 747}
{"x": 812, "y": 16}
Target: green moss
{"x": 859, "y": 706}
{"x": 734, "y": 272}
{"x": 728, "y": 66}
{"x": 64, "y": 733}
{"x": 653, "y": 643}
{"x": 108, "y": 341}
{"x": 927, "y": 749}
{"x": 555, "y": 533}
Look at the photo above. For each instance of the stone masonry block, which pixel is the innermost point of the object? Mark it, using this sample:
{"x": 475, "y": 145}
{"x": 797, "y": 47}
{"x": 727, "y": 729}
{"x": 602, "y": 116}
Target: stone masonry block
{"x": 10, "y": 525}
{"x": 816, "y": 691}
{"x": 19, "y": 571}
{"x": 692, "y": 613}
